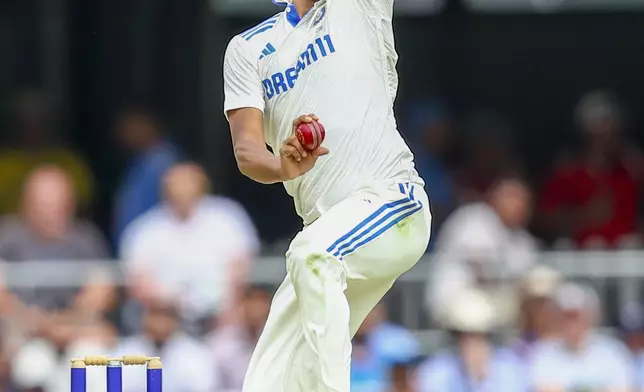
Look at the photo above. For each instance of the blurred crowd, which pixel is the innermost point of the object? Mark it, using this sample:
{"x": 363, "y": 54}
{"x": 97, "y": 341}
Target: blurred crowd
{"x": 187, "y": 252}
{"x": 588, "y": 196}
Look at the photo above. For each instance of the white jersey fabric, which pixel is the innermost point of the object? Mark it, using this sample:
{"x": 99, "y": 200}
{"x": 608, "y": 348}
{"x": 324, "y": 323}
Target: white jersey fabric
{"x": 338, "y": 62}
{"x": 366, "y": 216}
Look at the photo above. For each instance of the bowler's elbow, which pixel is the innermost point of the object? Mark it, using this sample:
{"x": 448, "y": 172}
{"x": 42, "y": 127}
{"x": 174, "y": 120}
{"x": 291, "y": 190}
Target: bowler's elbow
{"x": 242, "y": 157}
{"x": 246, "y": 128}
{"x": 247, "y": 164}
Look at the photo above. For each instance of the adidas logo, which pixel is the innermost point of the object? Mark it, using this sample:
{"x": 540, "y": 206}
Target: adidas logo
{"x": 268, "y": 50}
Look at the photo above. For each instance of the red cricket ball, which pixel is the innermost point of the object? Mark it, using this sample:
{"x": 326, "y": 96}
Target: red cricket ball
{"x": 310, "y": 135}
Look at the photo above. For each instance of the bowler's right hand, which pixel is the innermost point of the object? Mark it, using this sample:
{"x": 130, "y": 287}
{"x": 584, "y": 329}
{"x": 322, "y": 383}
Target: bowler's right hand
{"x": 295, "y": 159}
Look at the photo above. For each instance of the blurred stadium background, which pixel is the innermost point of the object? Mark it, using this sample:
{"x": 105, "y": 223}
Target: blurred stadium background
{"x": 125, "y": 226}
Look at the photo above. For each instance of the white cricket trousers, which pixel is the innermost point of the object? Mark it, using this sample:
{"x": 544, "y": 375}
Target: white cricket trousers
{"x": 338, "y": 269}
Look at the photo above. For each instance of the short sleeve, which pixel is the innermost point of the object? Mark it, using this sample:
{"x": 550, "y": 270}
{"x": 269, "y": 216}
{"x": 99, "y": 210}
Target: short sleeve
{"x": 242, "y": 84}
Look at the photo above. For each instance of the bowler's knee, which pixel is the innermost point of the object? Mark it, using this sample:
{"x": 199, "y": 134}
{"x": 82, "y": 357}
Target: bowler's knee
{"x": 313, "y": 269}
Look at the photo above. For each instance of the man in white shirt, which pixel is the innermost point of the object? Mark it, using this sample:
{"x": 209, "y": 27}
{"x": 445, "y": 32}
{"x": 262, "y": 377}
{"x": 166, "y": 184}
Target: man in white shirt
{"x": 365, "y": 213}
{"x": 193, "y": 247}
{"x": 484, "y": 245}
{"x": 583, "y": 359}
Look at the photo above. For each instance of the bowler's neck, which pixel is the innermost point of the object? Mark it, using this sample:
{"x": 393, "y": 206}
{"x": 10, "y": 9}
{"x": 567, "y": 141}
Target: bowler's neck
{"x": 303, "y": 6}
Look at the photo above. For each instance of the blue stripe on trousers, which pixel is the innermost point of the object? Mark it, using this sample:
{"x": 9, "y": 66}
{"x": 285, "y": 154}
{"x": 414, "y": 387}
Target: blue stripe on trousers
{"x": 352, "y": 245}
{"x": 366, "y": 222}
{"x": 339, "y": 251}
{"x": 382, "y": 230}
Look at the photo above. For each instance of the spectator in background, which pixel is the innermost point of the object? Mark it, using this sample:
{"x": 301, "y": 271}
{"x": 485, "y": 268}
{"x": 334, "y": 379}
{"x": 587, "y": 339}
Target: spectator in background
{"x": 474, "y": 364}
{"x": 193, "y": 246}
{"x": 33, "y": 142}
{"x": 539, "y": 320}
{"x": 232, "y": 345}
{"x": 430, "y": 131}
{"x": 49, "y": 319}
{"x": 187, "y": 363}
{"x": 381, "y": 350}
{"x": 631, "y": 326}
{"x": 593, "y": 198}
{"x": 47, "y": 230}
{"x": 583, "y": 359}
{"x": 487, "y": 154}
{"x": 143, "y": 135}
{"x": 484, "y": 245}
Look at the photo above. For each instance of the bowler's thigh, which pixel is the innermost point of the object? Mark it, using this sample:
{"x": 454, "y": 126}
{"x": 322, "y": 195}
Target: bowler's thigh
{"x": 397, "y": 241}
{"x": 381, "y": 230}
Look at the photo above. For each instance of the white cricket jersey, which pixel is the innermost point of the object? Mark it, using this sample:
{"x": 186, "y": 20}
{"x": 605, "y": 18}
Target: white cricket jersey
{"x": 339, "y": 62}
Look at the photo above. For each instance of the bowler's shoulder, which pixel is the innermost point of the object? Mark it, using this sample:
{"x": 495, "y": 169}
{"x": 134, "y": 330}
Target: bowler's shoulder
{"x": 254, "y": 41}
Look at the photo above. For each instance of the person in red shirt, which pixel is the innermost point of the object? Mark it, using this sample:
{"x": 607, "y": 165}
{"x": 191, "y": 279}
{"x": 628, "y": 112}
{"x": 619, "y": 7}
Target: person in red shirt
{"x": 593, "y": 199}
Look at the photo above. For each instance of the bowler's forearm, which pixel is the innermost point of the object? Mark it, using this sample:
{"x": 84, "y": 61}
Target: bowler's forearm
{"x": 258, "y": 164}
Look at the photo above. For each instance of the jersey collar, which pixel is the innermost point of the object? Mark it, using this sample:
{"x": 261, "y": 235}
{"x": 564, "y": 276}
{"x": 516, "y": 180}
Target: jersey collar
{"x": 291, "y": 15}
